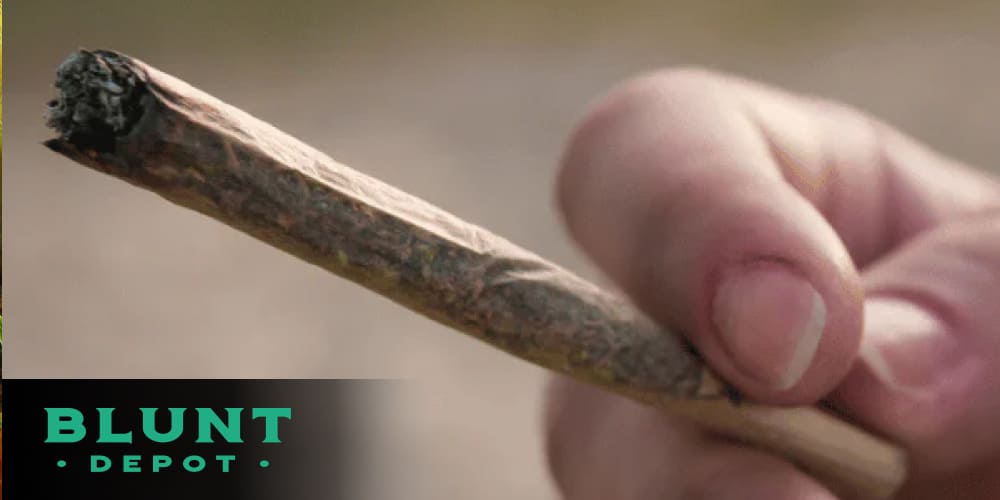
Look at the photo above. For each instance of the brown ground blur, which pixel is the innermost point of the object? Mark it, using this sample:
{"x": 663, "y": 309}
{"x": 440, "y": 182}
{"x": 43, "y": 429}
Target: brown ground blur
{"x": 463, "y": 103}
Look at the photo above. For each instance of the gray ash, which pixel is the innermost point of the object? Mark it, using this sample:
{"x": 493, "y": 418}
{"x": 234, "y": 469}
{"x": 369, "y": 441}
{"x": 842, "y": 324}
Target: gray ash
{"x": 98, "y": 99}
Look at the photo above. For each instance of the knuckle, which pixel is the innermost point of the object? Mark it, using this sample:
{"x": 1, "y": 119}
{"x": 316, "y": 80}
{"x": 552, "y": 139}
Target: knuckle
{"x": 607, "y": 127}
{"x": 679, "y": 79}
{"x": 636, "y": 95}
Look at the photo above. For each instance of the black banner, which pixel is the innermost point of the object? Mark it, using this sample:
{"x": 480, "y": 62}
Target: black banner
{"x": 181, "y": 439}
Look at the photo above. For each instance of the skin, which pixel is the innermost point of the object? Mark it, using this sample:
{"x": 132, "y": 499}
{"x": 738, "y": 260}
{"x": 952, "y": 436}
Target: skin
{"x": 677, "y": 179}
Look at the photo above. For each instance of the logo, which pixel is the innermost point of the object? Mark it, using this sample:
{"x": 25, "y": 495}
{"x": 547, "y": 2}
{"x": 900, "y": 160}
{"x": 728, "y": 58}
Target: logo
{"x": 114, "y": 436}
{"x": 185, "y": 439}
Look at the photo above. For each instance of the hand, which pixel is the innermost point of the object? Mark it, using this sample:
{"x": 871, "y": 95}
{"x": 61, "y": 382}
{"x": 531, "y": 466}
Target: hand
{"x": 810, "y": 253}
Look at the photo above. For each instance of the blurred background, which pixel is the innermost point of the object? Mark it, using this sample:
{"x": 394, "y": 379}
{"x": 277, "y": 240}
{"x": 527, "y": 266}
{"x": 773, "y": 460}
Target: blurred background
{"x": 466, "y": 104}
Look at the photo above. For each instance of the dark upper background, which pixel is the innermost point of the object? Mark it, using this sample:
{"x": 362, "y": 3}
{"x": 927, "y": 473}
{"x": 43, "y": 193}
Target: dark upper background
{"x": 466, "y": 104}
